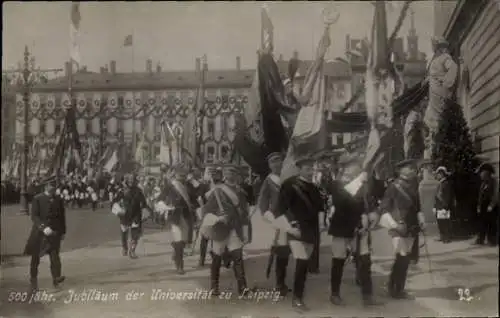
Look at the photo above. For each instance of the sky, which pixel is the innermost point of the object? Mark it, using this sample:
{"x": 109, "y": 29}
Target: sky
{"x": 176, "y": 33}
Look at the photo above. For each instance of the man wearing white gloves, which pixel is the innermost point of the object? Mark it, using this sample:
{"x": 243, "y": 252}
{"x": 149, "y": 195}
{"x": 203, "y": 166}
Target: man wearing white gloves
{"x": 49, "y": 228}
{"x": 400, "y": 213}
{"x": 266, "y": 202}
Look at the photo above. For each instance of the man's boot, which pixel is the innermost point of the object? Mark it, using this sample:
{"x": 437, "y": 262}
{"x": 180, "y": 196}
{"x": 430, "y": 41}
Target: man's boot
{"x": 393, "y": 276}
{"x": 336, "y": 272}
{"x": 365, "y": 279}
{"x": 282, "y": 257}
{"x": 34, "y": 284}
{"x": 215, "y": 274}
{"x": 131, "y": 251}
{"x": 301, "y": 269}
{"x": 124, "y": 239}
{"x": 203, "y": 251}
{"x": 178, "y": 257}
{"x": 239, "y": 270}
{"x": 400, "y": 292}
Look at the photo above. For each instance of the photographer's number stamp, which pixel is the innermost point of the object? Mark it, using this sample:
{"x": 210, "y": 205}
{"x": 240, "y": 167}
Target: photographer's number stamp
{"x": 464, "y": 294}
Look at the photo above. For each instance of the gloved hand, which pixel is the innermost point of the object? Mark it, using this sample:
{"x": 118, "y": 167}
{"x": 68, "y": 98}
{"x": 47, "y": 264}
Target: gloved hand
{"x": 421, "y": 220}
{"x": 364, "y": 222}
{"x": 47, "y": 231}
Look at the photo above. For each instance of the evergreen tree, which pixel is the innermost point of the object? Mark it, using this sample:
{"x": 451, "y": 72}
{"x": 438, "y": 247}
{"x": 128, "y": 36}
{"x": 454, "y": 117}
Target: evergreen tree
{"x": 453, "y": 148}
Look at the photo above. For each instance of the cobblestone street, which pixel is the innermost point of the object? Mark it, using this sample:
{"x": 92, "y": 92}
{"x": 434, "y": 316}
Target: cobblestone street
{"x": 129, "y": 285}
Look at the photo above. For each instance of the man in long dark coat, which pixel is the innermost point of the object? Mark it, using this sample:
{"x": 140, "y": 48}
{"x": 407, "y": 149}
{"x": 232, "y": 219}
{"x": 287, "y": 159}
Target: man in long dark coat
{"x": 300, "y": 210}
{"x": 47, "y": 232}
{"x": 443, "y": 204}
{"x": 487, "y": 206}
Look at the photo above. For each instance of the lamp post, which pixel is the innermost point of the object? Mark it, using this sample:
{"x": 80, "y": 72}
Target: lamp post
{"x": 29, "y": 79}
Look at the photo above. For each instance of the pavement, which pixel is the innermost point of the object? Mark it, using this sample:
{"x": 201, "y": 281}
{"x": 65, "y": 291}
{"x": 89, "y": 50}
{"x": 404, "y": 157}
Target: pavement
{"x": 109, "y": 285}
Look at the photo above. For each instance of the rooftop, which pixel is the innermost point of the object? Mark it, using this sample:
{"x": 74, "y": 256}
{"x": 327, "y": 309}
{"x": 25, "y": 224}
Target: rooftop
{"x": 92, "y": 81}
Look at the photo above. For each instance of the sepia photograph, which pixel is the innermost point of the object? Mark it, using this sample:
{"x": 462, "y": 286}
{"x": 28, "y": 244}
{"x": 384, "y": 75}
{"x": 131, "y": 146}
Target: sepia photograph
{"x": 250, "y": 159}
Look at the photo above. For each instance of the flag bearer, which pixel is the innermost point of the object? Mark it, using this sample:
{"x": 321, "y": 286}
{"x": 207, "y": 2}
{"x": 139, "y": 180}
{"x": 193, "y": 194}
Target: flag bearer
{"x": 301, "y": 207}
{"x": 180, "y": 198}
{"x": 349, "y": 228}
{"x": 400, "y": 212}
{"x": 266, "y": 203}
{"x": 227, "y": 204}
{"x": 215, "y": 176}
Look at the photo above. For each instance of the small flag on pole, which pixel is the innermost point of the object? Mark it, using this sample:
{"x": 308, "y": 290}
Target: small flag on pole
{"x": 128, "y": 40}
{"x": 111, "y": 162}
{"x": 75, "y": 32}
{"x": 267, "y": 31}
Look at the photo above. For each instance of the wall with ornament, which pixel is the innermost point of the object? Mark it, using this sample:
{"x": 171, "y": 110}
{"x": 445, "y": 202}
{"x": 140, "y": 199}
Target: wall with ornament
{"x": 113, "y": 117}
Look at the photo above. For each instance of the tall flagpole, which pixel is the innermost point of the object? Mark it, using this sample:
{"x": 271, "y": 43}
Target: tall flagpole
{"x": 134, "y": 137}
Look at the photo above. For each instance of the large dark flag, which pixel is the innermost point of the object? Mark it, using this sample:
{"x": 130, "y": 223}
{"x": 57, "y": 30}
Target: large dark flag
{"x": 260, "y": 130}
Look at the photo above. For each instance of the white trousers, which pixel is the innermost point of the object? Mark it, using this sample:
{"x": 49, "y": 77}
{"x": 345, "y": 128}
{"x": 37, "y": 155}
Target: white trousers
{"x": 179, "y": 232}
{"x": 232, "y": 242}
{"x": 340, "y": 245}
{"x": 301, "y": 250}
{"x": 402, "y": 245}
{"x": 280, "y": 238}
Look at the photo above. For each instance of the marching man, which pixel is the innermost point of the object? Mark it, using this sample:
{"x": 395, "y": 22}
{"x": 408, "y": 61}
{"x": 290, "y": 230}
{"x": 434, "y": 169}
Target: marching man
{"x": 400, "y": 213}
{"x": 179, "y": 199}
{"x": 226, "y": 223}
{"x": 127, "y": 205}
{"x": 267, "y": 200}
{"x": 348, "y": 224}
{"x": 299, "y": 211}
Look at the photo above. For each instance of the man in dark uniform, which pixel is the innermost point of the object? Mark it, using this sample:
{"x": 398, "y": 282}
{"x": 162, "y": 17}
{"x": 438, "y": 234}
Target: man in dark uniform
{"x": 349, "y": 228}
{"x": 227, "y": 203}
{"x": 487, "y": 206}
{"x": 400, "y": 213}
{"x": 47, "y": 232}
{"x": 443, "y": 204}
{"x": 266, "y": 201}
{"x": 299, "y": 211}
{"x": 133, "y": 201}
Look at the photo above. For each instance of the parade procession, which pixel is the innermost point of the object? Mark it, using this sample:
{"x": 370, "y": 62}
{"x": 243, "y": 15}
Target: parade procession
{"x": 364, "y": 185}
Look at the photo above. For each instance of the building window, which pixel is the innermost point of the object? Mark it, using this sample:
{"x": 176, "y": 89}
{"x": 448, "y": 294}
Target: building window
{"x": 340, "y": 140}
{"x": 224, "y": 125}
{"x": 42, "y": 126}
{"x": 211, "y": 127}
{"x": 88, "y": 126}
{"x": 224, "y": 153}
{"x": 156, "y": 152}
{"x": 157, "y": 125}
{"x": 210, "y": 154}
{"x": 340, "y": 90}
{"x": 57, "y": 127}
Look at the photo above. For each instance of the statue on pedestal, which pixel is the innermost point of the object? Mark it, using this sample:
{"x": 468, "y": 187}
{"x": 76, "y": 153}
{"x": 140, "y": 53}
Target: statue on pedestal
{"x": 441, "y": 75}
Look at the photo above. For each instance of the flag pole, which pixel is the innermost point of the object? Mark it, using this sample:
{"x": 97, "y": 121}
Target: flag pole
{"x": 134, "y": 137}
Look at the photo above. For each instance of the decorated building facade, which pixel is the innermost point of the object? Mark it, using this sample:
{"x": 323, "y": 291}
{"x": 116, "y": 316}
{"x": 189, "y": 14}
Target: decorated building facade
{"x": 119, "y": 108}
{"x": 472, "y": 29}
